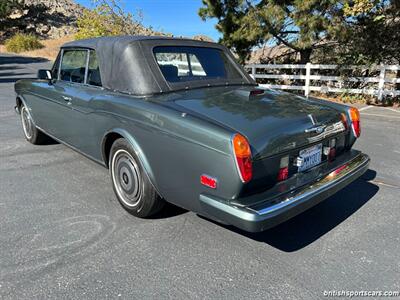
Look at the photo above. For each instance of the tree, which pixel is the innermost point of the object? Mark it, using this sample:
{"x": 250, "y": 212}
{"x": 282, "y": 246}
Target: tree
{"x": 374, "y": 36}
{"x": 341, "y": 30}
{"x": 299, "y": 25}
{"x": 109, "y": 18}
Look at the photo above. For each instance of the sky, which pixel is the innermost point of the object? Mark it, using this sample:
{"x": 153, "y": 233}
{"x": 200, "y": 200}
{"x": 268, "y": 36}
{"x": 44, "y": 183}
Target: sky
{"x": 178, "y": 17}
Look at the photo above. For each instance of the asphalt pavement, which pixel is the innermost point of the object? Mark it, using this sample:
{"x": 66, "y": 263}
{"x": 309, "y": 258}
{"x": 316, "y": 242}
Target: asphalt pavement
{"x": 63, "y": 234}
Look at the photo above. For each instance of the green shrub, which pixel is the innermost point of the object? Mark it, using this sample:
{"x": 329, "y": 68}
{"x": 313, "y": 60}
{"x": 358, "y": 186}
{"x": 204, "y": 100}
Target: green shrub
{"x": 23, "y": 42}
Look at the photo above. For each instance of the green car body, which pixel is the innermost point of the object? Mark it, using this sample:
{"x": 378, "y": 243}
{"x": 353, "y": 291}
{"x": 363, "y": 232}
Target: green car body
{"x": 183, "y": 130}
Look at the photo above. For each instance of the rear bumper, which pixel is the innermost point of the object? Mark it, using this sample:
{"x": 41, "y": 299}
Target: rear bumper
{"x": 275, "y": 210}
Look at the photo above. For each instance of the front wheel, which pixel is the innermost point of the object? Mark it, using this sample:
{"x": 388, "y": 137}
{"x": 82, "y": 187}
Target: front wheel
{"x": 130, "y": 182}
{"x": 31, "y": 133}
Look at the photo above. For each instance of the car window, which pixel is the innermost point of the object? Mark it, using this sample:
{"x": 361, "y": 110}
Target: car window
{"x": 94, "y": 77}
{"x": 179, "y": 64}
{"x": 170, "y": 62}
{"x": 73, "y": 66}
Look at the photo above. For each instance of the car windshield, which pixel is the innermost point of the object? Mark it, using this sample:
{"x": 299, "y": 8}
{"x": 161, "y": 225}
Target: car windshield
{"x": 182, "y": 64}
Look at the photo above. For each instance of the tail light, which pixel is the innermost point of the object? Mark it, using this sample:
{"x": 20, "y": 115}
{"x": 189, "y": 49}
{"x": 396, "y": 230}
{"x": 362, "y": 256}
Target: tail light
{"x": 330, "y": 151}
{"x": 355, "y": 121}
{"x": 241, "y": 149}
{"x": 283, "y": 173}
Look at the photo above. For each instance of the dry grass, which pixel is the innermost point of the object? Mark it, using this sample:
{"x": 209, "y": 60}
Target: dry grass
{"x": 50, "y": 50}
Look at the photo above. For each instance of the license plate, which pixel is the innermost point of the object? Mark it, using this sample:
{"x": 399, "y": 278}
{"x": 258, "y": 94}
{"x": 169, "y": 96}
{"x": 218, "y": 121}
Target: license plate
{"x": 311, "y": 157}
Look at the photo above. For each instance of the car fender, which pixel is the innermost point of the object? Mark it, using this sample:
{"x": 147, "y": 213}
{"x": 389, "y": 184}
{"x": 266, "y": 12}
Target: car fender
{"x": 17, "y": 104}
{"x": 138, "y": 151}
{"x": 24, "y": 103}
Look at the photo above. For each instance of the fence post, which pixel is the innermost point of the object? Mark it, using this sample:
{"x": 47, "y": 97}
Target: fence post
{"x": 253, "y": 72}
{"x": 381, "y": 86}
{"x": 307, "y": 83}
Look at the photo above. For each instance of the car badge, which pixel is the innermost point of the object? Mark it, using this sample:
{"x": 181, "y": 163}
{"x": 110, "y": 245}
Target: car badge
{"x": 316, "y": 129}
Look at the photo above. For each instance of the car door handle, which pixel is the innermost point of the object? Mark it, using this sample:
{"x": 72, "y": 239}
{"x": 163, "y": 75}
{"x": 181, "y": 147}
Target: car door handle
{"x": 67, "y": 99}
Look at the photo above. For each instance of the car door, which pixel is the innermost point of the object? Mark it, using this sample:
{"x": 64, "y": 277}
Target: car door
{"x": 42, "y": 100}
{"x": 68, "y": 89}
{"x": 80, "y": 130}
{"x": 54, "y": 109}
{"x": 62, "y": 107}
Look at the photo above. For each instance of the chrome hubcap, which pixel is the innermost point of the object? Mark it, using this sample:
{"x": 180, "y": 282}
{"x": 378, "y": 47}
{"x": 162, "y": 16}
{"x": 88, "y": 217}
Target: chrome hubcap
{"x": 27, "y": 123}
{"x": 126, "y": 178}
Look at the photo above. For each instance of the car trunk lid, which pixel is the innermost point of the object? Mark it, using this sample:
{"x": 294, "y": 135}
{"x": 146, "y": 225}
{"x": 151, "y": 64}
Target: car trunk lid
{"x": 273, "y": 122}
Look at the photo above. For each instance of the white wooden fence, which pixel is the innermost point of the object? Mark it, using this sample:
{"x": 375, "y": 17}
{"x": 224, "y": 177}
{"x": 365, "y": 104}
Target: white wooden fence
{"x": 384, "y": 85}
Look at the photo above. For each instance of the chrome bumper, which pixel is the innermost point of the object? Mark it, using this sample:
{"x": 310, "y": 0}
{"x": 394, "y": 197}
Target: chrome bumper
{"x": 271, "y": 212}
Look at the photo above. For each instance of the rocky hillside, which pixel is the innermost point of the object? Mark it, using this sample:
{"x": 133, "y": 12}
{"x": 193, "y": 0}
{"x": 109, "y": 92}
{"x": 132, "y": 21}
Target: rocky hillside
{"x": 46, "y": 18}
{"x": 59, "y": 19}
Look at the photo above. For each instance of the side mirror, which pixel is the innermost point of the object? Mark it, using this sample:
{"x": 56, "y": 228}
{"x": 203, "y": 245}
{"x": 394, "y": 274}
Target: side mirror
{"x": 45, "y": 75}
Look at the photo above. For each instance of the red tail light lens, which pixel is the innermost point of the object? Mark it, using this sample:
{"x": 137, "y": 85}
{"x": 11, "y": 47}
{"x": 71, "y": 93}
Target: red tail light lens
{"x": 241, "y": 149}
{"x": 283, "y": 173}
{"x": 355, "y": 121}
{"x": 332, "y": 154}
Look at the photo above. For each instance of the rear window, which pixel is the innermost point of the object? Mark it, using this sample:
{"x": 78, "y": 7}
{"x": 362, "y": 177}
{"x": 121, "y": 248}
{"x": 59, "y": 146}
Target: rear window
{"x": 182, "y": 64}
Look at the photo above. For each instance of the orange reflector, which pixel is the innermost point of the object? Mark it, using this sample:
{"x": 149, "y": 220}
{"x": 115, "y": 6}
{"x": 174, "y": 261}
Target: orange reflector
{"x": 355, "y": 120}
{"x": 354, "y": 114}
{"x": 241, "y": 146}
{"x": 208, "y": 181}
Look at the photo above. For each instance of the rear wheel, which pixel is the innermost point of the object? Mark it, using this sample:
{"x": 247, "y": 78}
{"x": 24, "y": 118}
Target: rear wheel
{"x": 32, "y": 134}
{"x": 130, "y": 182}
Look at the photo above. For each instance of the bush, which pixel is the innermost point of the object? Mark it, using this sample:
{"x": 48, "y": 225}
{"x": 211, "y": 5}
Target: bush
{"x": 22, "y": 42}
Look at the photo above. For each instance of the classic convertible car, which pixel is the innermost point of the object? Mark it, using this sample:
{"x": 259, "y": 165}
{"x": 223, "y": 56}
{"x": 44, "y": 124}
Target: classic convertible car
{"x": 179, "y": 120}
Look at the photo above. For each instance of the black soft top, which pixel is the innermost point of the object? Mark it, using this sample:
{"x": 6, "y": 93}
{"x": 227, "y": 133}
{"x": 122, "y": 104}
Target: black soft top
{"x": 127, "y": 63}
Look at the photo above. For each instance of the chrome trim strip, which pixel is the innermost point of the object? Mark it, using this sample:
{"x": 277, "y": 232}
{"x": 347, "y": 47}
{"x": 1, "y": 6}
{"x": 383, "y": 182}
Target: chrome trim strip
{"x": 329, "y": 130}
{"x": 324, "y": 184}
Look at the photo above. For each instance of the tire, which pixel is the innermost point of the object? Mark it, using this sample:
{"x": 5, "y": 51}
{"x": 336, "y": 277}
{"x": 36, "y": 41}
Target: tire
{"x": 31, "y": 133}
{"x": 130, "y": 182}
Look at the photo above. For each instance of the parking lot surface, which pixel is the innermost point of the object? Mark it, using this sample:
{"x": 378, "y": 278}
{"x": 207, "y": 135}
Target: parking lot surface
{"x": 64, "y": 235}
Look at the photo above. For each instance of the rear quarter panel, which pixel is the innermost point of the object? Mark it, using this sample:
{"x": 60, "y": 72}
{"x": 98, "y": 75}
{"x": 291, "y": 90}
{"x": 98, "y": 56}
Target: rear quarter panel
{"x": 175, "y": 148}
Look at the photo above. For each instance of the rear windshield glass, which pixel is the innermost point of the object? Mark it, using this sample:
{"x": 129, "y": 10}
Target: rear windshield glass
{"x": 182, "y": 64}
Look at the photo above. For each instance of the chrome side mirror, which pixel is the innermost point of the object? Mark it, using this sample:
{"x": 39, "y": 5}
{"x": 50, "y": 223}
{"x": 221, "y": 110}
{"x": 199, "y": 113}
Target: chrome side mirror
{"x": 45, "y": 75}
